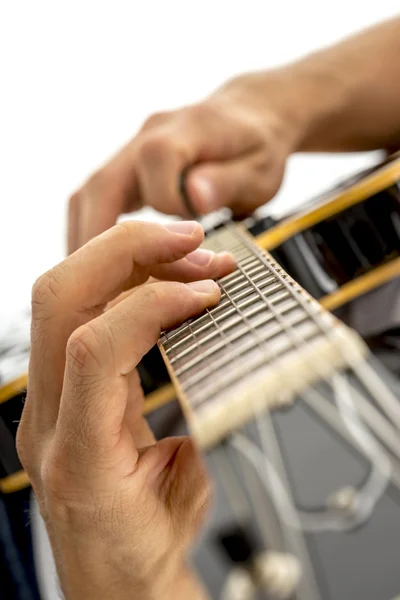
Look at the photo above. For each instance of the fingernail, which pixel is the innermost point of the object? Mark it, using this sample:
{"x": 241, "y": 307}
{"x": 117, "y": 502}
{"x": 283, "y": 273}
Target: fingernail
{"x": 206, "y": 286}
{"x": 201, "y": 257}
{"x": 225, "y": 254}
{"x": 205, "y": 194}
{"x": 187, "y": 227}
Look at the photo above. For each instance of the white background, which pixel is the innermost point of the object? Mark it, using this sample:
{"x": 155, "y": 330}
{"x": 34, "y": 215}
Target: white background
{"x": 78, "y": 78}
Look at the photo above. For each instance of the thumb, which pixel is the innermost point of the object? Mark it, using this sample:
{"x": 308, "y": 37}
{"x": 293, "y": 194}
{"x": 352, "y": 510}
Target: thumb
{"x": 243, "y": 185}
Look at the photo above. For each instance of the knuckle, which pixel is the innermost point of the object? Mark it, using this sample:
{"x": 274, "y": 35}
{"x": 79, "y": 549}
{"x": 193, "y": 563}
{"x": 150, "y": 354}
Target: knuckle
{"x": 154, "y": 148}
{"x": 155, "y": 119}
{"x": 46, "y": 289}
{"x": 202, "y": 112}
{"x": 82, "y": 351}
{"x": 152, "y": 297}
{"x": 23, "y": 444}
{"x": 95, "y": 183}
{"x": 75, "y": 200}
{"x": 127, "y": 229}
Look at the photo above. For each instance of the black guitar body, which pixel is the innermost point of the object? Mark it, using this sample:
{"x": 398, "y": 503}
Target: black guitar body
{"x": 359, "y": 563}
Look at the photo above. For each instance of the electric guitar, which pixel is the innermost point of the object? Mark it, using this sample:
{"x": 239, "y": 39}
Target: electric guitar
{"x": 340, "y": 246}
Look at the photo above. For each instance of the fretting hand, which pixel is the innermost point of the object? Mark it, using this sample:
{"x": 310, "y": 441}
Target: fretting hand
{"x": 121, "y": 510}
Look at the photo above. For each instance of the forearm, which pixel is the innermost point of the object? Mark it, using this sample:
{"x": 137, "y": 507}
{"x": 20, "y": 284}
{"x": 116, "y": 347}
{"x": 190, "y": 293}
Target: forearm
{"x": 353, "y": 93}
{"x": 101, "y": 569}
{"x": 343, "y": 98}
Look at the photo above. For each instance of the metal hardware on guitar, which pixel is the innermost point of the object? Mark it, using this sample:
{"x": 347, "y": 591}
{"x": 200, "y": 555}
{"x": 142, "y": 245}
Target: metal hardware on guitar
{"x": 298, "y": 421}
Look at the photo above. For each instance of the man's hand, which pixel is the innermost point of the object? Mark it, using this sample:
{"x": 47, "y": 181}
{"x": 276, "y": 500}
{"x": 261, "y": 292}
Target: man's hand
{"x": 234, "y": 146}
{"x": 121, "y": 509}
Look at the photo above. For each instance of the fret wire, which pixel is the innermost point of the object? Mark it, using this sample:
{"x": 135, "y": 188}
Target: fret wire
{"x": 292, "y": 289}
{"x": 261, "y": 276}
{"x": 262, "y": 320}
{"x": 209, "y": 312}
{"x": 250, "y": 328}
{"x": 260, "y": 268}
{"x": 250, "y": 259}
{"x": 285, "y": 306}
{"x": 275, "y": 286}
{"x": 288, "y": 329}
{"x": 255, "y": 262}
{"x": 235, "y": 321}
{"x": 255, "y": 271}
{"x": 316, "y": 321}
{"x": 220, "y": 306}
{"x": 240, "y": 371}
{"x": 311, "y": 309}
{"x": 324, "y": 324}
{"x": 260, "y": 338}
{"x": 289, "y": 288}
{"x": 192, "y": 334}
{"x": 248, "y": 302}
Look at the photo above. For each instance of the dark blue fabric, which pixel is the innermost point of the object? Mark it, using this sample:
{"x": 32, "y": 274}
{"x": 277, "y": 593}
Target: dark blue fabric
{"x": 17, "y": 574}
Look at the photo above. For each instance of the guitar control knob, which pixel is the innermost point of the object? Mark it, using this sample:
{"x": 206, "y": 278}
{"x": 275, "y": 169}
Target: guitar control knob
{"x": 279, "y": 574}
{"x": 239, "y": 586}
{"x": 344, "y": 500}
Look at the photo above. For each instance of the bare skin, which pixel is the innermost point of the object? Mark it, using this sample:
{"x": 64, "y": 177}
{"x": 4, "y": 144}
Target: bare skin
{"x": 121, "y": 510}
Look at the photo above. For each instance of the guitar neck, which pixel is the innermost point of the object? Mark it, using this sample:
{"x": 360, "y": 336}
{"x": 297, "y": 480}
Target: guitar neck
{"x": 264, "y": 342}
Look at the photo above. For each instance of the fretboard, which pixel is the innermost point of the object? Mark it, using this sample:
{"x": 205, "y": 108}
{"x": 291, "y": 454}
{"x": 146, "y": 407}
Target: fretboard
{"x": 264, "y": 342}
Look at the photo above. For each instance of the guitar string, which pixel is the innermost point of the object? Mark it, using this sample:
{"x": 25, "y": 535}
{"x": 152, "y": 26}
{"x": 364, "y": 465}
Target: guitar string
{"x": 295, "y": 541}
{"x": 263, "y": 517}
{"x": 259, "y": 509}
{"x": 290, "y": 525}
{"x": 365, "y": 502}
{"x": 312, "y": 315}
{"x": 375, "y": 385}
{"x": 369, "y": 454}
{"x": 367, "y": 442}
{"x": 292, "y": 332}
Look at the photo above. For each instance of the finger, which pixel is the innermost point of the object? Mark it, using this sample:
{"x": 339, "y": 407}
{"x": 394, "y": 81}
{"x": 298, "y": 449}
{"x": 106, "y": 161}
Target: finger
{"x": 73, "y": 224}
{"x": 157, "y": 119}
{"x": 133, "y": 417}
{"x": 108, "y": 193}
{"x": 200, "y": 264}
{"x": 77, "y": 290}
{"x": 242, "y": 184}
{"x": 102, "y": 353}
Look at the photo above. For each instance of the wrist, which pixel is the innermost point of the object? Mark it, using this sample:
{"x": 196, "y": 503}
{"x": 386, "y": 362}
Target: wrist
{"x": 302, "y": 100}
{"x": 90, "y": 569}
{"x": 320, "y": 94}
